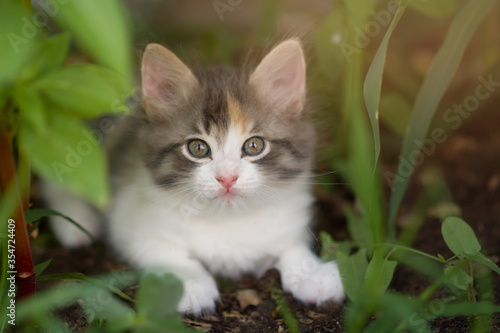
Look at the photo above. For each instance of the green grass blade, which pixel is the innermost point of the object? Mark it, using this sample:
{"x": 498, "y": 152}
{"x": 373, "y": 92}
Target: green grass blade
{"x": 33, "y": 215}
{"x": 83, "y": 277}
{"x": 373, "y": 82}
{"x": 360, "y": 167}
{"x": 41, "y": 267}
{"x": 485, "y": 294}
{"x": 284, "y": 308}
{"x": 431, "y": 92}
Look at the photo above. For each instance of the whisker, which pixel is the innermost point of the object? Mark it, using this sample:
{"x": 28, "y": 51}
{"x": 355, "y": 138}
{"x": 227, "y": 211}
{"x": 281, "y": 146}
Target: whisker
{"x": 325, "y": 173}
{"x": 305, "y": 183}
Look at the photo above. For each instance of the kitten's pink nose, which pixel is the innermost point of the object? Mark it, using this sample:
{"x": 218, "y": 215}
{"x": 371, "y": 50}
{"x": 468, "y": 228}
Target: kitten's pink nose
{"x": 227, "y": 181}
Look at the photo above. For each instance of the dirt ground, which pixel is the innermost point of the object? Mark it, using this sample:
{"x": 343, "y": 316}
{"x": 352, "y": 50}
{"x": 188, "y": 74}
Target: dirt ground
{"x": 470, "y": 162}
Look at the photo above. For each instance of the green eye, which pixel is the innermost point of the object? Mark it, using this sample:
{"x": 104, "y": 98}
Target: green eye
{"x": 198, "y": 148}
{"x": 253, "y": 146}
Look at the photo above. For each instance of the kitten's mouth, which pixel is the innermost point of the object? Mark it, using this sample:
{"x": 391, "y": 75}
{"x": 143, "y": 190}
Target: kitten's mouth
{"x": 228, "y": 195}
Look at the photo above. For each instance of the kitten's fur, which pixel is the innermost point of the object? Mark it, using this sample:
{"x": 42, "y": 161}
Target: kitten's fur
{"x": 227, "y": 213}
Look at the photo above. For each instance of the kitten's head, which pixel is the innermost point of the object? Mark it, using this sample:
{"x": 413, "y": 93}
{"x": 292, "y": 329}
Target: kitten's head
{"x": 225, "y": 136}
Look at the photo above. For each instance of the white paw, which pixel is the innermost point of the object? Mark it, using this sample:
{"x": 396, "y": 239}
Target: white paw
{"x": 199, "y": 296}
{"x": 316, "y": 283}
{"x": 69, "y": 235}
{"x": 73, "y": 206}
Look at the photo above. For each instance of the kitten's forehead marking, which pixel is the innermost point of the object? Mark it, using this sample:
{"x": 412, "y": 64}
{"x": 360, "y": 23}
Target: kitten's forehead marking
{"x": 238, "y": 118}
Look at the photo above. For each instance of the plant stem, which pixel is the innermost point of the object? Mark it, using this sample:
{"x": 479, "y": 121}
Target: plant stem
{"x": 24, "y": 167}
{"x": 25, "y": 276}
{"x": 409, "y": 249}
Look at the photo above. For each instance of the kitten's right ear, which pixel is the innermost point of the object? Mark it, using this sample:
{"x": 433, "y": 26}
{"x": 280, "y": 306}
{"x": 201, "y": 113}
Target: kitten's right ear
{"x": 165, "y": 79}
{"x": 280, "y": 78}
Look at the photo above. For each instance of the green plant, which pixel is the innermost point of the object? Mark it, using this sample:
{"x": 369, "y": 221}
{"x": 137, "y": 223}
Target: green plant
{"x": 368, "y": 273}
{"x": 42, "y": 105}
{"x": 155, "y": 304}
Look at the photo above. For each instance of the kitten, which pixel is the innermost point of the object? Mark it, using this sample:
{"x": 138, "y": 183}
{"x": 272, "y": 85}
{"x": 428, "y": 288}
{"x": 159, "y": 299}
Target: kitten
{"x": 212, "y": 177}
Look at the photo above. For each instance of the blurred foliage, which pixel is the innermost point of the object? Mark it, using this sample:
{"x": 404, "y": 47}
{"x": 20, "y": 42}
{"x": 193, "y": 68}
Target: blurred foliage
{"x": 155, "y": 305}
{"x": 44, "y": 102}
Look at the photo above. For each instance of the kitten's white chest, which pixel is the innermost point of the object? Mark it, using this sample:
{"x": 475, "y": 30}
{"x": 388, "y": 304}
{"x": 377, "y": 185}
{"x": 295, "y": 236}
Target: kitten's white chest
{"x": 236, "y": 243}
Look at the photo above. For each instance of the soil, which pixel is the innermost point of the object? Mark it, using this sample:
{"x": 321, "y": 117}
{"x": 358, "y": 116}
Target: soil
{"x": 470, "y": 162}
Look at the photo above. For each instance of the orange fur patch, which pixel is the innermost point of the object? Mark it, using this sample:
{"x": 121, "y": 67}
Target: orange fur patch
{"x": 238, "y": 118}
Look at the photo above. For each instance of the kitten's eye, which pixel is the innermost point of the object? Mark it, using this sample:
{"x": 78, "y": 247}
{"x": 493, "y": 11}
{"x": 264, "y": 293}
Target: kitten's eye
{"x": 198, "y": 148}
{"x": 253, "y": 146}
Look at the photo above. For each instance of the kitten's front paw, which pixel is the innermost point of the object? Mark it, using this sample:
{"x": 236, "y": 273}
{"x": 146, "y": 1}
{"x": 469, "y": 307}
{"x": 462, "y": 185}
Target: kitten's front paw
{"x": 317, "y": 283}
{"x": 199, "y": 296}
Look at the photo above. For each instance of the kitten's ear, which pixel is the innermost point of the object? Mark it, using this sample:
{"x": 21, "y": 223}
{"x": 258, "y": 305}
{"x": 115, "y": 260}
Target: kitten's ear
{"x": 165, "y": 79}
{"x": 280, "y": 78}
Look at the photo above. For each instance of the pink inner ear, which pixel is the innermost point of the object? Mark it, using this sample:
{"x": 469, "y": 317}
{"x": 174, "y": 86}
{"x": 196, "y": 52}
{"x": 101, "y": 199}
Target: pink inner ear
{"x": 295, "y": 78}
{"x": 289, "y": 79}
{"x": 153, "y": 85}
{"x": 281, "y": 77}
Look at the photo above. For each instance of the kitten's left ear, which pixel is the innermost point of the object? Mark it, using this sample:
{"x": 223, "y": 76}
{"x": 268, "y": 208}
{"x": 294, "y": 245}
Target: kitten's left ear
{"x": 165, "y": 80}
{"x": 280, "y": 78}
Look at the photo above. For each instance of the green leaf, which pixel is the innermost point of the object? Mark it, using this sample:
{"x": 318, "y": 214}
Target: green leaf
{"x": 41, "y": 267}
{"x": 16, "y": 42}
{"x": 33, "y": 215}
{"x": 330, "y": 248}
{"x": 86, "y": 91}
{"x": 372, "y": 88}
{"x": 457, "y": 281}
{"x": 102, "y": 29}
{"x": 158, "y": 296}
{"x": 435, "y": 83}
{"x": 352, "y": 271}
{"x": 69, "y": 155}
{"x": 32, "y": 108}
{"x": 468, "y": 309}
{"x": 379, "y": 274}
{"x": 360, "y": 229}
{"x": 435, "y": 8}
{"x": 482, "y": 259}
{"x": 459, "y": 236}
{"x": 49, "y": 54}
{"x": 99, "y": 304}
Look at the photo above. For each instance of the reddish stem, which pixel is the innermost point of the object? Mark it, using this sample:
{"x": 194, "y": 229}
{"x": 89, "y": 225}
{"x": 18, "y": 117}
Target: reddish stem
{"x": 25, "y": 276}
{"x": 24, "y": 168}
